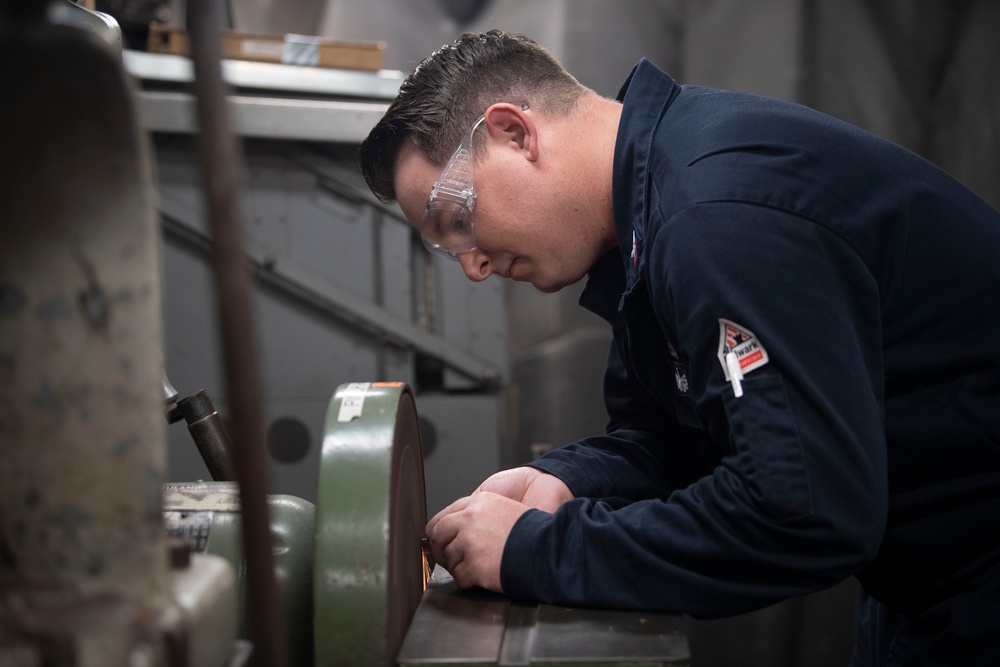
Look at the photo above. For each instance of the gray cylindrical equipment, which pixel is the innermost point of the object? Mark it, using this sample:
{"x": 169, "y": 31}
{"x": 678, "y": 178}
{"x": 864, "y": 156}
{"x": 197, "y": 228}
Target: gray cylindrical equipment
{"x": 82, "y": 453}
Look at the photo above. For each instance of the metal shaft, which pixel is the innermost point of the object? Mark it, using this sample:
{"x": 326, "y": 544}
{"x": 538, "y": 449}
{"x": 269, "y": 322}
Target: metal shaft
{"x": 209, "y": 433}
{"x": 221, "y": 174}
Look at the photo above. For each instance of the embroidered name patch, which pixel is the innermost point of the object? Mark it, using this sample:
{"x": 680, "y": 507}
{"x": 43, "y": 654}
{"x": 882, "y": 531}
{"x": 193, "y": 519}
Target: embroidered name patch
{"x": 743, "y": 344}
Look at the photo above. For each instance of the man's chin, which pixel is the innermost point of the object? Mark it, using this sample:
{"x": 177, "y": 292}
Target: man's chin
{"x": 549, "y": 287}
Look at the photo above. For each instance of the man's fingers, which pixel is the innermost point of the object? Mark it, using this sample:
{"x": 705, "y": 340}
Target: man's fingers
{"x": 463, "y": 575}
{"x": 456, "y": 506}
{"x": 468, "y": 536}
{"x": 442, "y": 530}
{"x": 441, "y": 538}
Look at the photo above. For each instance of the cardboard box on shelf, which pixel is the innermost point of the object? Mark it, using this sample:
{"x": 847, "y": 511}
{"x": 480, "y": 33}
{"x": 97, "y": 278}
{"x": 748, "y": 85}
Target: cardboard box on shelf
{"x": 288, "y": 49}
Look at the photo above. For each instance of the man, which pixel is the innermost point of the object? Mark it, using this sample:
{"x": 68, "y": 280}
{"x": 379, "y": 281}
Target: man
{"x": 804, "y": 382}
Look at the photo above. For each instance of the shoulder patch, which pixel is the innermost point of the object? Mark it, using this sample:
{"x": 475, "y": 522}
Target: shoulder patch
{"x": 743, "y": 344}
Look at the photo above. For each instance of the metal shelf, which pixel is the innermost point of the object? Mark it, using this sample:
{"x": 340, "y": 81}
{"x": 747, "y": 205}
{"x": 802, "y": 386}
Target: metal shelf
{"x": 269, "y": 101}
{"x": 161, "y": 67}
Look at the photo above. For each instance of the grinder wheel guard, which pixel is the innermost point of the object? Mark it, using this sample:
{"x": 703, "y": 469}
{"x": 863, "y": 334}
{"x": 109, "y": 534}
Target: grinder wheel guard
{"x": 370, "y": 516}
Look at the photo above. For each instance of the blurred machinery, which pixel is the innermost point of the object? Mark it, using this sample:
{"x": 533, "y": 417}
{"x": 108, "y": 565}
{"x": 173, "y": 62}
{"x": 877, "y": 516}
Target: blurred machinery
{"x": 85, "y": 577}
{"x": 350, "y": 569}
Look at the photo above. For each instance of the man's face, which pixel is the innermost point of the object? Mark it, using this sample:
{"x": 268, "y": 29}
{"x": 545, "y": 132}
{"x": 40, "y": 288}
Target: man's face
{"x": 526, "y": 228}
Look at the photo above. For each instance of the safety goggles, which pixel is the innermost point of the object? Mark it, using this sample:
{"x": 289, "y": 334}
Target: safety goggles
{"x": 448, "y": 227}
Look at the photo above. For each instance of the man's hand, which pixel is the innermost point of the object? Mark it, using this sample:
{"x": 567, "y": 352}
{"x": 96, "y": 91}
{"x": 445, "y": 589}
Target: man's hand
{"x": 468, "y": 536}
{"x": 529, "y": 486}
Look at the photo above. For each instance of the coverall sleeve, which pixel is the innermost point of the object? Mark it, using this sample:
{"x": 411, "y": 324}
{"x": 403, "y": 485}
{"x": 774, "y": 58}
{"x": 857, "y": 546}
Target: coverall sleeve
{"x": 799, "y": 499}
{"x": 630, "y": 460}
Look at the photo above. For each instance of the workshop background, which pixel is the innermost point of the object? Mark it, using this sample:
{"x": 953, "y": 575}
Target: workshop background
{"x": 346, "y": 293}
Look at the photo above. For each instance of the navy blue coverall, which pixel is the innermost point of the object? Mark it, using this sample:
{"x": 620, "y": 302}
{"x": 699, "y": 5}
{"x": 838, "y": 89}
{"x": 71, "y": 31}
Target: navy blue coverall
{"x": 804, "y": 383}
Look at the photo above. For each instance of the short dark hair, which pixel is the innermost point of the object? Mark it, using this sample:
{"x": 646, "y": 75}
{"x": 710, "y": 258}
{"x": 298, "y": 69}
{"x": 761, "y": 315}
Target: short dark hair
{"x": 445, "y": 94}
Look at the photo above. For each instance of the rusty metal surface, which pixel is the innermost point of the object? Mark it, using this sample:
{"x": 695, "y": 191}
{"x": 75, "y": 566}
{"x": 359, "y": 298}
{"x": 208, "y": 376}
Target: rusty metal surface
{"x": 82, "y": 552}
{"x": 81, "y": 427}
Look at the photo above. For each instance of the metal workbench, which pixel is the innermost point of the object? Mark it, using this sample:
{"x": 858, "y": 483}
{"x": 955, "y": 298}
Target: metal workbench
{"x": 454, "y": 627}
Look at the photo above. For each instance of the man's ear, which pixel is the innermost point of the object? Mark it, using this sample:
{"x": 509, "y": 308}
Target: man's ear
{"x": 514, "y": 127}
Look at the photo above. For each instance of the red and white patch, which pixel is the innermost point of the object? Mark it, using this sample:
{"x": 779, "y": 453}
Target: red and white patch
{"x": 743, "y": 343}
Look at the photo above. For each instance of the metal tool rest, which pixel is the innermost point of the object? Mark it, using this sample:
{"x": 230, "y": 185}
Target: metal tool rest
{"x": 455, "y": 627}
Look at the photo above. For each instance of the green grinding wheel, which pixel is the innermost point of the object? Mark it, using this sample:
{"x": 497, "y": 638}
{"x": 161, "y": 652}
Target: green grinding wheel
{"x": 371, "y": 511}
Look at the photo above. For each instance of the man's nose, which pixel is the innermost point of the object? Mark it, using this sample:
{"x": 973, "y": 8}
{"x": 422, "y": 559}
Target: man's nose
{"x": 476, "y": 264}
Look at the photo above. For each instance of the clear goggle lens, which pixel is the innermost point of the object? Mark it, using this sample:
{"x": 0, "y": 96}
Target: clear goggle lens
{"x": 448, "y": 229}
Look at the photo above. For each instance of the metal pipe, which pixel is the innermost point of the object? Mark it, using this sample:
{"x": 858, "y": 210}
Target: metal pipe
{"x": 221, "y": 174}
{"x": 209, "y": 433}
